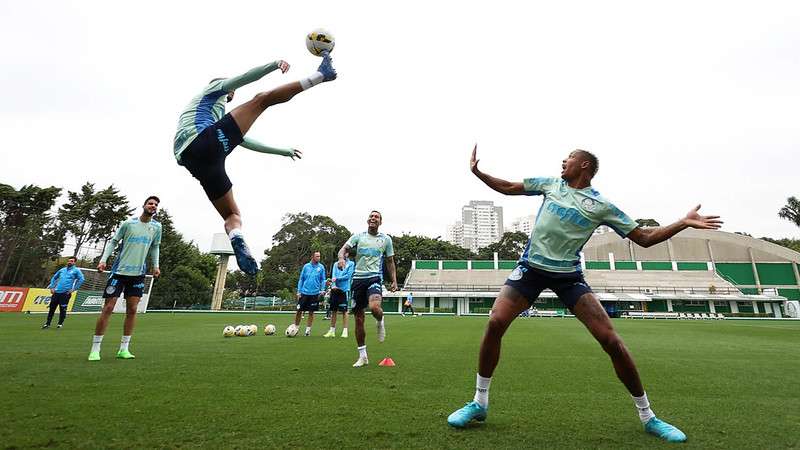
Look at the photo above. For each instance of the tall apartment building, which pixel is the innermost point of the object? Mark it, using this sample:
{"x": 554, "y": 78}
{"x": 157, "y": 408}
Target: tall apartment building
{"x": 523, "y": 224}
{"x": 481, "y": 224}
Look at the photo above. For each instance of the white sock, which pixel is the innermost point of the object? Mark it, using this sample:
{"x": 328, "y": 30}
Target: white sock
{"x": 643, "y": 405}
{"x": 482, "y": 391}
{"x": 313, "y": 80}
{"x": 96, "y": 341}
{"x": 308, "y": 330}
{"x": 333, "y": 330}
{"x": 380, "y": 322}
{"x": 235, "y": 232}
{"x": 362, "y": 352}
{"x": 123, "y": 346}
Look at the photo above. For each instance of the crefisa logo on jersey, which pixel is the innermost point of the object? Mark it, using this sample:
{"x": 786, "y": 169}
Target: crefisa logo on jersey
{"x": 588, "y": 204}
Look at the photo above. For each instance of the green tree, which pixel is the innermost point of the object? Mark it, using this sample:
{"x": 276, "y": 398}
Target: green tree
{"x": 187, "y": 274}
{"x": 409, "y": 247}
{"x": 509, "y": 247}
{"x": 300, "y": 234}
{"x": 793, "y": 244}
{"x": 791, "y": 211}
{"x": 91, "y": 217}
{"x": 29, "y": 233}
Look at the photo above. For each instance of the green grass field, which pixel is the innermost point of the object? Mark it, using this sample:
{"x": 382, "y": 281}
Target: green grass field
{"x": 731, "y": 384}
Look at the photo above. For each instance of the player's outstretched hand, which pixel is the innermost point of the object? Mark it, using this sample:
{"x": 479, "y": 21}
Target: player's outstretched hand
{"x": 296, "y": 154}
{"x": 283, "y": 65}
{"x": 694, "y": 220}
{"x": 473, "y": 162}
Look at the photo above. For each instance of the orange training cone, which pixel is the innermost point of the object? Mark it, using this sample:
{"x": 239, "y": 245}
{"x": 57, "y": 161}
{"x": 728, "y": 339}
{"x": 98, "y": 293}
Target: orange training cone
{"x": 387, "y": 362}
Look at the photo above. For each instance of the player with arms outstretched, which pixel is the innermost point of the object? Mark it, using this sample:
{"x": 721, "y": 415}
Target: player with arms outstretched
{"x": 570, "y": 212}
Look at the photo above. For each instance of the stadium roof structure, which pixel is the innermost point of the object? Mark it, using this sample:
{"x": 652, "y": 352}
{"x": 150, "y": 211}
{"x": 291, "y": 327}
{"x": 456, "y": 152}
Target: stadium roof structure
{"x": 720, "y": 266}
{"x": 690, "y": 245}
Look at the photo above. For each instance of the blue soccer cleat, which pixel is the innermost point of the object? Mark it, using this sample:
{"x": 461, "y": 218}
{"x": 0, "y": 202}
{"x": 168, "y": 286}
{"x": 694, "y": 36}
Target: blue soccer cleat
{"x": 665, "y": 431}
{"x": 471, "y": 411}
{"x": 326, "y": 68}
{"x": 243, "y": 257}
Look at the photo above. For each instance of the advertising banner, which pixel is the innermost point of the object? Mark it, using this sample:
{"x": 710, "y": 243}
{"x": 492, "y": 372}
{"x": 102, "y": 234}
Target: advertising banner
{"x": 88, "y": 301}
{"x": 12, "y": 298}
{"x": 38, "y": 300}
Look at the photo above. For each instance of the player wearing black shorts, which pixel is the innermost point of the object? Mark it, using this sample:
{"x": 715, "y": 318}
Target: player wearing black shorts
{"x": 371, "y": 247}
{"x": 310, "y": 286}
{"x": 206, "y": 136}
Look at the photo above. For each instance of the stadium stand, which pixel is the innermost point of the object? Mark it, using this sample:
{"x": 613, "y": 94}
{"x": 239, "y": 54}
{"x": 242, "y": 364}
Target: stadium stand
{"x": 698, "y": 274}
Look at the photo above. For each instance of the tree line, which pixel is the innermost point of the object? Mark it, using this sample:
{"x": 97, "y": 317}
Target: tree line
{"x": 34, "y": 233}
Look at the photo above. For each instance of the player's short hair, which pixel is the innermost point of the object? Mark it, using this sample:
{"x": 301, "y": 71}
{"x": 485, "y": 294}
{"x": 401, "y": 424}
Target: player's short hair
{"x": 315, "y": 251}
{"x": 152, "y": 197}
{"x": 72, "y": 257}
{"x": 594, "y": 163}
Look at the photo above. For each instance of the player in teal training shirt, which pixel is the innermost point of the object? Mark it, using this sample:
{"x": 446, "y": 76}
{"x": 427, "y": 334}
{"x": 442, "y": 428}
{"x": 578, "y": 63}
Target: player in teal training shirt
{"x": 571, "y": 210}
{"x": 372, "y": 247}
{"x": 206, "y": 136}
{"x": 139, "y": 239}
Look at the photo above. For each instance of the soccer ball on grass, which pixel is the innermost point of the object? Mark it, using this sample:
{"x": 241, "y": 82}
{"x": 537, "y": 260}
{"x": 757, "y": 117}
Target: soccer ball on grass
{"x": 291, "y": 330}
{"x": 269, "y": 330}
{"x": 228, "y": 331}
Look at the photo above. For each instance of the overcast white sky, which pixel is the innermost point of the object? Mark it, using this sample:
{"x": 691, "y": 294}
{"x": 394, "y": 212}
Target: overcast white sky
{"x": 684, "y": 102}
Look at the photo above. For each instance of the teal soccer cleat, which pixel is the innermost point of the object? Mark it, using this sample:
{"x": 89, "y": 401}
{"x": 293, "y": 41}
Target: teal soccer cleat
{"x": 244, "y": 259}
{"x": 326, "y": 68}
{"x": 471, "y": 411}
{"x": 665, "y": 431}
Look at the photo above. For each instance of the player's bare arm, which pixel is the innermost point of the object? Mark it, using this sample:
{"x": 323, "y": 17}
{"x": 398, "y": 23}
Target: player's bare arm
{"x": 499, "y": 185}
{"x": 647, "y": 237}
{"x": 343, "y": 252}
{"x": 392, "y": 273}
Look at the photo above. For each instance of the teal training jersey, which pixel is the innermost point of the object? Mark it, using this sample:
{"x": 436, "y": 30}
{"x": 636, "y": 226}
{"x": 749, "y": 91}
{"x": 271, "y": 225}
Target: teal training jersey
{"x": 370, "y": 252}
{"x": 139, "y": 240}
{"x": 209, "y": 106}
{"x": 566, "y": 220}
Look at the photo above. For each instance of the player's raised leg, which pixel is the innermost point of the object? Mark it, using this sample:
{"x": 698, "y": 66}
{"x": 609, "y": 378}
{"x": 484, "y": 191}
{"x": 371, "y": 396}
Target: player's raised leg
{"x": 589, "y": 311}
{"x": 377, "y": 312}
{"x": 508, "y": 305}
{"x": 247, "y": 113}
{"x": 229, "y": 211}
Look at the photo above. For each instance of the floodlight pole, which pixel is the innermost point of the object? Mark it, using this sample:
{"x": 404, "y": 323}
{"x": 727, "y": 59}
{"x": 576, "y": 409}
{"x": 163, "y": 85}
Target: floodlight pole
{"x": 219, "y": 282}
{"x": 220, "y": 246}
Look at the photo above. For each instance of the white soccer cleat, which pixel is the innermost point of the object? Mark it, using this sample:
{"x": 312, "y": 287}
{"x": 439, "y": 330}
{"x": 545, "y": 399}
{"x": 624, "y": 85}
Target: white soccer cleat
{"x": 361, "y": 362}
{"x": 381, "y": 331}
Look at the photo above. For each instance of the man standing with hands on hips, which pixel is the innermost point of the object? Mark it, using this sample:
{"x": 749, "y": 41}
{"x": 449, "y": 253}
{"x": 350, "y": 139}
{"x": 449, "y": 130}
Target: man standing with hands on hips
{"x": 64, "y": 282}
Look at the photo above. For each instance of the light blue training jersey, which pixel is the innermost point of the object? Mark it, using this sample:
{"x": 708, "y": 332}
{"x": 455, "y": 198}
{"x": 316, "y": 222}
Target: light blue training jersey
{"x": 312, "y": 279}
{"x": 139, "y": 241}
{"x": 344, "y": 277}
{"x": 370, "y": 252}
{"x": 566, "y": 221}
{"x": 209, "y": 106}
{"x": 66, "y": 279}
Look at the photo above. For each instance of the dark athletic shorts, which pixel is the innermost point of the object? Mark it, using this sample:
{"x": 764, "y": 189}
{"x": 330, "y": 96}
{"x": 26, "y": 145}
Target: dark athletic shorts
{"x": 530, "y": 282}
{"x": 131, "y": 286}
{"x": 205, "y": 157}
{"x": 363, "y": 288}
{"x": 338, "y": 300}
{"x": 308, "y": 303}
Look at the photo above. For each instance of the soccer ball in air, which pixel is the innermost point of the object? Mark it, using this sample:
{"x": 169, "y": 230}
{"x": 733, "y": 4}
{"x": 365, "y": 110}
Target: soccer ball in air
{"x": 269, "y": 330}
{"x": 228, "y": 331}
{"x": 291, "y": 330}
{"x": 319, "y": 41}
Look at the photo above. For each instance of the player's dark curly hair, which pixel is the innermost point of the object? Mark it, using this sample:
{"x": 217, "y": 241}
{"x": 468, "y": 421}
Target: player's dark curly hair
{"x": 594, "y": 163}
